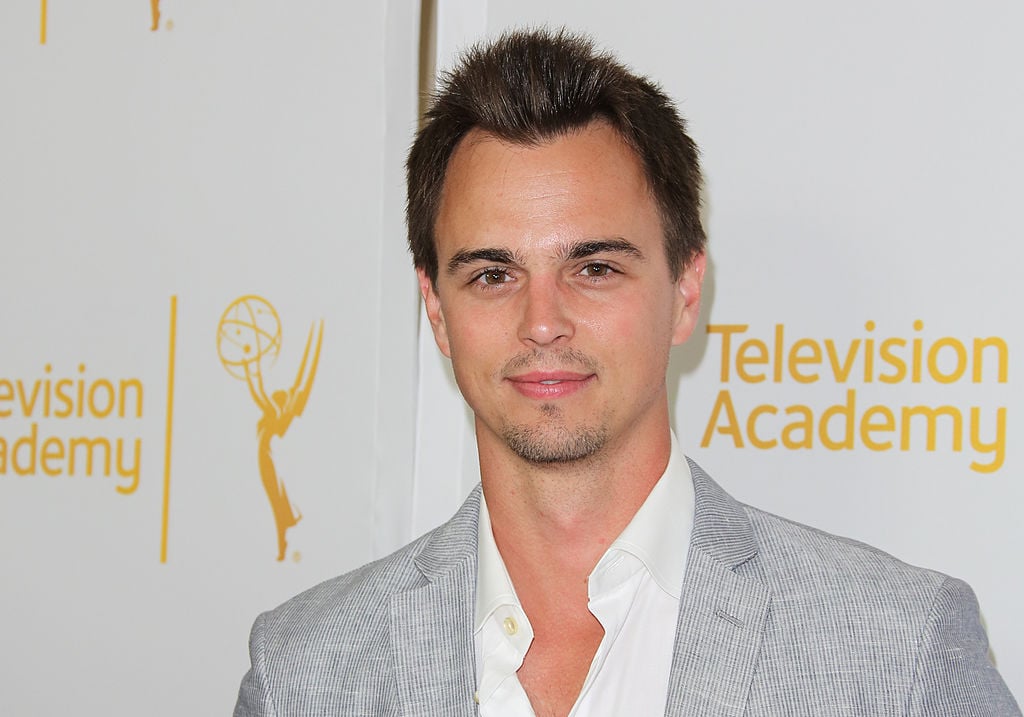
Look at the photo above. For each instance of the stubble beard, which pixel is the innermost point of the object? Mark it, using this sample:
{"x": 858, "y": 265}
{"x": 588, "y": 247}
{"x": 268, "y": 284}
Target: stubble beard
{"x": 553, "y": 442}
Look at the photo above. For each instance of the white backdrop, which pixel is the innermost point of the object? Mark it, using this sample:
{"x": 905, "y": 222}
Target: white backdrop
{"x": 240, "y": 148}
{"x": 863, "y": 163}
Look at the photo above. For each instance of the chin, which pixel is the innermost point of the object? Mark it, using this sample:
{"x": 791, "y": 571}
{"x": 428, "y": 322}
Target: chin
{"x": 555, "y": 444}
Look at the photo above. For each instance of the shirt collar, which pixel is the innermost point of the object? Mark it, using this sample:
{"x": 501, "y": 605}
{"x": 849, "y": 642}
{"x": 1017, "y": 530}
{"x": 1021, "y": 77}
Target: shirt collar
{"x": 493, "y": 585}
{"x": 658, "y": 535}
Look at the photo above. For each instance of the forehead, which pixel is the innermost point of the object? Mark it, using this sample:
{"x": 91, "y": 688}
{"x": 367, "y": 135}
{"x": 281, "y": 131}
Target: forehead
{"x": 587, "y": 182}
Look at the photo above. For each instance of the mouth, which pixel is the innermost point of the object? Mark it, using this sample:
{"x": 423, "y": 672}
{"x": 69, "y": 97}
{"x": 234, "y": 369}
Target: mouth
{"x": 550, "y": 384}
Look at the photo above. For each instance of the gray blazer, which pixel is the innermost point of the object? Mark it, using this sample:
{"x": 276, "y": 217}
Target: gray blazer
{"x": 776, "y": 619}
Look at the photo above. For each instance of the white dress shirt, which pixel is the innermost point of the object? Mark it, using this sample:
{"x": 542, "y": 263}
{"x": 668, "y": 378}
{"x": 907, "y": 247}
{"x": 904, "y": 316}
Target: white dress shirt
{"x": 633, "y": 592}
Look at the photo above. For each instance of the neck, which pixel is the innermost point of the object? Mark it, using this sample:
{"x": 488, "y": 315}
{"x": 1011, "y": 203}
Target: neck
{"x": 553, "y": 522}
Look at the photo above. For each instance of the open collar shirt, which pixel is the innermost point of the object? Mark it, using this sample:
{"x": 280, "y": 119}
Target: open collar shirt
{"x": 633, "y": 592}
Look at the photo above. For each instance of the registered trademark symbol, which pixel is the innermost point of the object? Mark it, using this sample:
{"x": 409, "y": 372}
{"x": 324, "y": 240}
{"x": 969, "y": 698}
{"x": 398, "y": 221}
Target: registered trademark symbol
{"x": 297, "y": 557}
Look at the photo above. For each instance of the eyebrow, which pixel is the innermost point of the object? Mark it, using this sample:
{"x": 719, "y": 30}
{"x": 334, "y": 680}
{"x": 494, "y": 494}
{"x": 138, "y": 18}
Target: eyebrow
{"x": 571, "y": 252}
{"x": 600, "y": 246}
{"x": 492, "y": 256}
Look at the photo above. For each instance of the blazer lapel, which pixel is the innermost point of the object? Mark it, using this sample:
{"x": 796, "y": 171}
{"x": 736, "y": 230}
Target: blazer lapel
{"x": 432, "y": 624}
{"x": 722, "y": 612}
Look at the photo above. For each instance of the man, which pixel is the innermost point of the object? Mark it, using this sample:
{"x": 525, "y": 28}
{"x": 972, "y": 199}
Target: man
{"x": 554, "y": 223}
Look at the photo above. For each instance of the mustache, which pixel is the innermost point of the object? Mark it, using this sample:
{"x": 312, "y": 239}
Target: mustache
{"x": 550, "y": 359}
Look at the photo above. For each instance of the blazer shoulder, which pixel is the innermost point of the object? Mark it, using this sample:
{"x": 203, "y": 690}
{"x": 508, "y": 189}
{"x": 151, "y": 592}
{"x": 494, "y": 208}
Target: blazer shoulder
{"x": 332, "y": 647}
{"x": 357, "y": 603}
{"x": 847, "y": 623}
{"x": 912, "y": 636}
{"x": 793, "y": 553}
{"x": 366, "y": 589}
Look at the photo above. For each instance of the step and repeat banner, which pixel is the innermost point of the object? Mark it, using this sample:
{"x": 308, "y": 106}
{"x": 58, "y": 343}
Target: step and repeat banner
{"x": 214, "y": 391}
{"x": 858, "y": 366}
{"x": 209, "y": 319}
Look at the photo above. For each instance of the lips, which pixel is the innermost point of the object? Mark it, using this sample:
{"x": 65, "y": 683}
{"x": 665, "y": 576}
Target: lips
{"x": 550, "y": 384}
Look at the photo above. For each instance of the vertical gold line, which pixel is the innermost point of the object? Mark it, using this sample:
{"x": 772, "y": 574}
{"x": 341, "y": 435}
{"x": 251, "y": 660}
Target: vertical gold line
{"x": 42, "y": 23}
{"x": 170, "y": 425}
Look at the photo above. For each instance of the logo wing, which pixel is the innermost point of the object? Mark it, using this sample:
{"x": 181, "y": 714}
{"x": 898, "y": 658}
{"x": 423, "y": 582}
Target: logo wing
{"x": 299, "y": 392}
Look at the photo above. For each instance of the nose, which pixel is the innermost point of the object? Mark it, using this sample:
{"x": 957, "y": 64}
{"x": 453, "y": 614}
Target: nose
{"x": 545, "y": 319}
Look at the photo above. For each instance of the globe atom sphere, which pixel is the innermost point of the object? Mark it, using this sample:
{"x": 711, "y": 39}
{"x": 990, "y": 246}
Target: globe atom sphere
{"x": 248, "y": 336}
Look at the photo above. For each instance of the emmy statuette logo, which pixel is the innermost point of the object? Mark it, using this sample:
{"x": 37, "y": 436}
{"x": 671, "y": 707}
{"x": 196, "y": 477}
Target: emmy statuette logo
{"x": 248, "y": 343}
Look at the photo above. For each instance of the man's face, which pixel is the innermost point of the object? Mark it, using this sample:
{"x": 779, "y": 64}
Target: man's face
{"x": 554, "y": 299}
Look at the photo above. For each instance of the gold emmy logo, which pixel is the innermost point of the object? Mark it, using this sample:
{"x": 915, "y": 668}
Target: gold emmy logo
{"x": 248, "y": 342}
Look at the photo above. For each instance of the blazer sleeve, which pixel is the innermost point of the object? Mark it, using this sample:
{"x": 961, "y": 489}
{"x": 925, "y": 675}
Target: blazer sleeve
{"x": 254, "y": 694}
{"x": 954, "y": 676}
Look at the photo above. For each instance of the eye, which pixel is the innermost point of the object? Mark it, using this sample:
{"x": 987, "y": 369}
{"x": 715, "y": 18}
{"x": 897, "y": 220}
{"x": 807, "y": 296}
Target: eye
{"x": 596, "y": 270}
{"x": 492, "y": 277}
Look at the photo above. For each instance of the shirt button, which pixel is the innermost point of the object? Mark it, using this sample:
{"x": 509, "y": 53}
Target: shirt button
{"x": 510, "y": 625}
{"x": 476, "y": 697}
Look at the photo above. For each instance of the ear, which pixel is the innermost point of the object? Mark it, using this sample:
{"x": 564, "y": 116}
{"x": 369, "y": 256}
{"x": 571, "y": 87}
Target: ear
{"x": 432, "y": 302}
{"x": 687, "y": 306}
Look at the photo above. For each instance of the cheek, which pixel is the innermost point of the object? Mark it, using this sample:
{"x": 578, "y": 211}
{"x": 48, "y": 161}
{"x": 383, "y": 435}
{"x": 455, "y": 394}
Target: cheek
{"x": 475, "y": 341}
{"x": 637, "y": 320}
{"x": 468, "y": 327}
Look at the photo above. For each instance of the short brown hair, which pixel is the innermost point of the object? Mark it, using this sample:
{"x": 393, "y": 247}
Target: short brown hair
{"x": 527, "y": 87}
